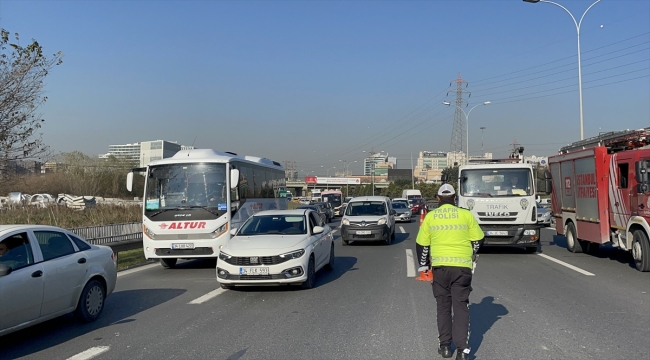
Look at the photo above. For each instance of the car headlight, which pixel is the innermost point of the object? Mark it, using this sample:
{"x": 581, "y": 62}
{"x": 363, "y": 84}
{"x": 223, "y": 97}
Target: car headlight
{"x": 381, "y": 221}
{"x": 345, "y": 221}
{"x": 408, "y": 213}
{"x": 293, "y": 254}
{"x": 148, "y": 232}
{"x": 220, "y": 231}
{"x": 224, "y": 256}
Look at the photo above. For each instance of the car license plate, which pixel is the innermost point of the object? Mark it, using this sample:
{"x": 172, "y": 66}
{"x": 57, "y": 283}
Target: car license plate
{"x": 254, "y": 271}
{"x": 183, "y": 246}
{"x": 497, "y": 233}
{"x": 365, "y": 232}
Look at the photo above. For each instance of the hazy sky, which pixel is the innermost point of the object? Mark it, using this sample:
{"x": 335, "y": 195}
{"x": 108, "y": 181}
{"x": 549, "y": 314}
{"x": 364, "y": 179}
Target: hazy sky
{"x": 321, "y": 81}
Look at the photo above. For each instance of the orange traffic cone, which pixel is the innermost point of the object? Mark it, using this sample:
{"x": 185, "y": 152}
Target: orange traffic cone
{"x": 426, "y": 275}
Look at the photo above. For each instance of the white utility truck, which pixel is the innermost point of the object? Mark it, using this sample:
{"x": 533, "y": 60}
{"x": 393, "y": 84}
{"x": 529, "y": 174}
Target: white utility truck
{"x": 502, "y": 197}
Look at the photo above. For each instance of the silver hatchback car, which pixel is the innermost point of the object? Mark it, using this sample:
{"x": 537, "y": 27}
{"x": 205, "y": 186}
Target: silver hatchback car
{"x": 47, "y": 271}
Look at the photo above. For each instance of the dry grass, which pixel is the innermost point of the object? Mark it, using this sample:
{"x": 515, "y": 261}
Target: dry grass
{"x": 68, "y": 218}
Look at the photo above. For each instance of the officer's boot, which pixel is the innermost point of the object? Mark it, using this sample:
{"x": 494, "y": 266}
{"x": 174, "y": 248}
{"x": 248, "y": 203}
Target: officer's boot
{"x": 462, "y": 354}
{"x": 445, "y": 351}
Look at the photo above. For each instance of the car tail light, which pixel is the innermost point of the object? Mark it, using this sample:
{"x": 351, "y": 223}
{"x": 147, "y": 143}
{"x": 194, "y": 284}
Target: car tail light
{"x": 113, "y": 257}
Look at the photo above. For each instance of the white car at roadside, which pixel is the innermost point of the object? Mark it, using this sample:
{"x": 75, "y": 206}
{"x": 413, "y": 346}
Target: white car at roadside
{"x": 277, "y": 247}
{"x": 47, "y": 271}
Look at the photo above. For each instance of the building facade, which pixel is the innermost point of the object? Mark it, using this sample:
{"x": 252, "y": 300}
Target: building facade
{"x": 145, "y": 152}
{"x": 378, "y": 163}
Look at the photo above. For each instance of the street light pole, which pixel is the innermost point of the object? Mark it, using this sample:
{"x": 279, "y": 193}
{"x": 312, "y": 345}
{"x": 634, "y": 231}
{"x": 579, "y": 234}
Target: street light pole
{"x": 347, "y": 181}
{"x": 577, "y": 24}
{"x": 467, "y": 120}
{"x": 482, "y": 128}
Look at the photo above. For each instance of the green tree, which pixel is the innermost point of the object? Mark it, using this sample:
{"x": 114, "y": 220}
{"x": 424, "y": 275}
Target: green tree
{"x": 22, "y": 72}
{"x": 452, "y": 175}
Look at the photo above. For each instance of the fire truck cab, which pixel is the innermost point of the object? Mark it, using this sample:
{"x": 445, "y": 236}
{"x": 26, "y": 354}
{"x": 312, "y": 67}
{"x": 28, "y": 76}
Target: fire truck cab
{"x": 601, "y": 193}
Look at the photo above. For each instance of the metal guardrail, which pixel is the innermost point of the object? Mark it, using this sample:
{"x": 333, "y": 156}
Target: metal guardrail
{"x": 106, "y": 234}
{"x": 120, "y": 237}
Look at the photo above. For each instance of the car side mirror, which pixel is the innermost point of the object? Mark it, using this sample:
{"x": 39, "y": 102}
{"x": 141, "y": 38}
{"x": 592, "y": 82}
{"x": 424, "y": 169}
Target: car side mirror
{"x": 233, "y": 232}
{"x": 5, "y": 270}
{"x": 393, "y": 212}
{"x": 318, "y": 230}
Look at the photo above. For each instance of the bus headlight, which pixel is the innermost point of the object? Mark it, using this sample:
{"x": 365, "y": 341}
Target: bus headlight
{"x": 381, "y": 221}
{"x": 148, "y": 232}
{"x": 220, "y": 231}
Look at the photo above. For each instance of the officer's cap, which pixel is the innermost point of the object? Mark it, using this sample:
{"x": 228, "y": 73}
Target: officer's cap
{"x": 446, "y": 190}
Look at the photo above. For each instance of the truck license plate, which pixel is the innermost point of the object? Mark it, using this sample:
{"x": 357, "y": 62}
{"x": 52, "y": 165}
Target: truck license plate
{"x": 497, "y": 233}
{"x": 183, "y": 246}
{"x": 254, "y": 271}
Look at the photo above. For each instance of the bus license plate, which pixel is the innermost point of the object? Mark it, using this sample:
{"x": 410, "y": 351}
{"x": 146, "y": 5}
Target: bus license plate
{"x": 365, "y": 232}
{"x": 254, "y": 271}
{"x": 497, "y": 233}
{"x": 183, "y": 246}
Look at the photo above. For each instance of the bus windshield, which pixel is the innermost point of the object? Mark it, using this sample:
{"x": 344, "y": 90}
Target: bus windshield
{"x": 496, "y": 182}
{"x": 186, "y": 187}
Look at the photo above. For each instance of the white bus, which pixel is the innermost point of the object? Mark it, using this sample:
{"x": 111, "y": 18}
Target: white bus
{"x": 194, "y": 198}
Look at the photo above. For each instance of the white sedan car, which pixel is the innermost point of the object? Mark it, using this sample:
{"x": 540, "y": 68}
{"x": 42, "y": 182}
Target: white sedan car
{"x": 277, "y": 247}
{"x": 46, "y": 272}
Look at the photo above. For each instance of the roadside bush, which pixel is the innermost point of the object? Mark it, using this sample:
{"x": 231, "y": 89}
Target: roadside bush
{"x": 68, "y": 218}
{"x": 81, "y": 175}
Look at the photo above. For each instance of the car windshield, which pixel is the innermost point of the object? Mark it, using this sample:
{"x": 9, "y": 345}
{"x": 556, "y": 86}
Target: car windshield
{"x": 366, "y": 208}
{"x": 399, "y": 205}
{"x": 274, "y": 224}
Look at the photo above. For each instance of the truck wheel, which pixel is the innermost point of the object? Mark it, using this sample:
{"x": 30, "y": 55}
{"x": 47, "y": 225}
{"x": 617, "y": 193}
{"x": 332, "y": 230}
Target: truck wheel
{"x": 572, "y": 243}
{"x": 641, "y": 250}
{"x": 168, "y": 263}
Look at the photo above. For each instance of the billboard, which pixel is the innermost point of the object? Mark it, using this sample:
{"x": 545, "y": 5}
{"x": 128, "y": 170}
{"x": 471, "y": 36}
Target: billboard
{"x": 338, "y": 181}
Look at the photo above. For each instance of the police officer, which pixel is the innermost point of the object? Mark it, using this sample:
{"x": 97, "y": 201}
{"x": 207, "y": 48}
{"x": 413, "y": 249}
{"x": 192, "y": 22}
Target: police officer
{"x": 450, "y": 237}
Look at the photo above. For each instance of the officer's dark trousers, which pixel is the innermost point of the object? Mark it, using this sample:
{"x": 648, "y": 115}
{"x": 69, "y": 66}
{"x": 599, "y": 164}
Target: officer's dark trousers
{"x": 451, "y": 288}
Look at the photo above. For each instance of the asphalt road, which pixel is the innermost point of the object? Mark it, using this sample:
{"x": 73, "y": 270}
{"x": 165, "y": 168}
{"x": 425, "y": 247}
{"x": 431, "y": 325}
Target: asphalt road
{"x": 524, "y": 306}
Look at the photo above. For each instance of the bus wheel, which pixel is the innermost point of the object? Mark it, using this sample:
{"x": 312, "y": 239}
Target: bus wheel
{"x": 641, "y": 250}
{"x": 572, "y": 243}
{"x": 168, "y": 263}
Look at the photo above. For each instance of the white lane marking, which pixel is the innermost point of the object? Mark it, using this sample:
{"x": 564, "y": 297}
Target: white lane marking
{"x": 90, "y": 353}
{"x": 139, "y": 268}
{"x": 333, "y": 231}
{"x": 410, "y": 264}
{"x": 574, "y": 268}
{"x": 402, "y": 230}
{"x": 208, "y": 296}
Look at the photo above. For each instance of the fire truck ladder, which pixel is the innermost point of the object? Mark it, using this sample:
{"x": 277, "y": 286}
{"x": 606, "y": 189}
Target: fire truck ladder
{"x": 614, "y": 141}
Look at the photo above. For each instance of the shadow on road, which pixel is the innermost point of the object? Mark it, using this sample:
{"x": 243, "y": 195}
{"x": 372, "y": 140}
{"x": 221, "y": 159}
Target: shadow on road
{"x": 342, "y": 265}
{"x": 197, "y": 264}
{"x": 482, "y": 316}
{"x": 120, "y": 306}
{"x": 602, "y": 252}
{"x": 399, "y": 237}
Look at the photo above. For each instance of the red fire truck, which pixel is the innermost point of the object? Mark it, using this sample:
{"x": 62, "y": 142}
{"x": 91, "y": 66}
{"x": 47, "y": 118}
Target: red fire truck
{"x": 601, "y": 193}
